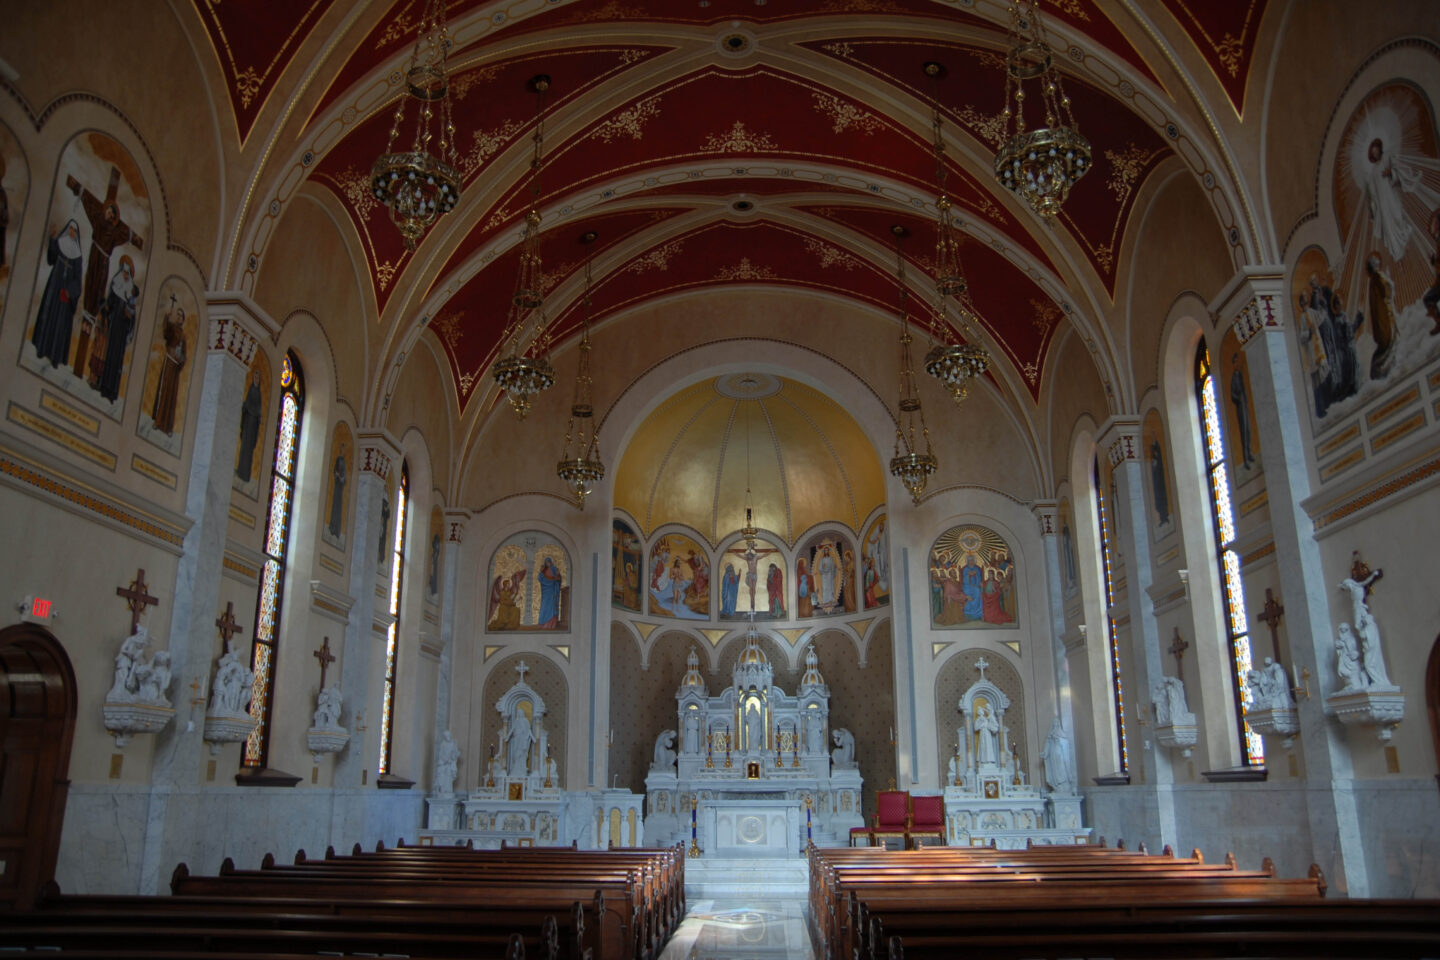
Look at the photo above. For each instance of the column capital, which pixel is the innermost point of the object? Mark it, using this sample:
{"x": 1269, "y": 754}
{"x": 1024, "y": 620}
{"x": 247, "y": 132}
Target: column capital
{"x": 378, "y": 452}
{"x": 1047, "y": 515}
{"x": 1251, "y": 301}
{"x": 1119, "y": 437}
{"x": 455, "y": 521}
{"x": 237, "y": 325}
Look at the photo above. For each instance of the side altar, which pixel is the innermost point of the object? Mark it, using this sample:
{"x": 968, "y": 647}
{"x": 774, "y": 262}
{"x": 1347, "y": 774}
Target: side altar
{"x": 986, "y": 797}
{"x": 752, "y": 773}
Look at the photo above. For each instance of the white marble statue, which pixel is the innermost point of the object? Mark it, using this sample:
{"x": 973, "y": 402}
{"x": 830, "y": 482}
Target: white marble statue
{"x": 1347, "y": 660}
{"x": 987, "y": 730}
{"x": 127, "y": 660}
{"x": 664, "y": 751}
{"x": 952, "y": 772}
{"x": 231, "y": 687}
{"x": 1170, "y": 706}
{"x": 327, "y": 709}
{"x": 1372, "y": 660}
{"x": 447, "y": 764}
{"x": 497, "y": 769}
{"x": 814, "y": 725}
{"x": 694, "y": 743}
{"x": 1269, "y": 687}
{"x": 844, "y": 753}
{"x": 552, "y": 774}
{"x": 518, "y": 740}
{"x": 1059, "y": 765}
{"x": 152, "y": 680}
{"x": 754, "y": 729}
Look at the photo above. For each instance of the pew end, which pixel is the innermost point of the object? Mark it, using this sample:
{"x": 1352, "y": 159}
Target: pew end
{"x": 1318, "y": 876}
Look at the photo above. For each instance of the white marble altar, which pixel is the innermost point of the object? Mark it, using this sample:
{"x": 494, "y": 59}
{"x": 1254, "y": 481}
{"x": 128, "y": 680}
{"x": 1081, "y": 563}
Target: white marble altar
{"x": 986, "y": 796}
{"x": 754, "y": 774}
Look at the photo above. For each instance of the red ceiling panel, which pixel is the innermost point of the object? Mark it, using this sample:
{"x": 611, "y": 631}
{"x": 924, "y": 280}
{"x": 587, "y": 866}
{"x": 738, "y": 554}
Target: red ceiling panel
{"x": 1224, "y": 32}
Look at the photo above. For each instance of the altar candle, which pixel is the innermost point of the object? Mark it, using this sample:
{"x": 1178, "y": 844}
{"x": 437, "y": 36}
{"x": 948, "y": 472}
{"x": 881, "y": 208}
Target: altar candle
{"x": 692, "y": 820}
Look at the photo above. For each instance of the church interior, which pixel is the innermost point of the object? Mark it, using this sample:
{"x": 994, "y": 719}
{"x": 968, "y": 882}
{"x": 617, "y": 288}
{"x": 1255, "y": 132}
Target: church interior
{"x": 541, "y": 422}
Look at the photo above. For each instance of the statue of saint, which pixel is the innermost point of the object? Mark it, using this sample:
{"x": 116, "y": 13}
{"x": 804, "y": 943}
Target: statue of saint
{"x": 664, "y": 751}
{"x": 844, "y": 753}
{"x": 987, "y": 736}
{"x": 518, "y": 740}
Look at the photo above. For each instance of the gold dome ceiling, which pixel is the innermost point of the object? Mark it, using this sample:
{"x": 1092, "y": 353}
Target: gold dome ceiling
{"x": 808, "y": 461}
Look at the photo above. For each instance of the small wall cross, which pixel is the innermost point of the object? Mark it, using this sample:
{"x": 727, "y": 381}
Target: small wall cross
{"x": 980, "y": 665}
{"x": 137, "y": 598}
{"x": 1178, "y": 648}
{"x": 1274, "y": 612}
{"x": 325, "y": 657}
{"x": 522, "y": 669}
{"x": 228, "y": 626}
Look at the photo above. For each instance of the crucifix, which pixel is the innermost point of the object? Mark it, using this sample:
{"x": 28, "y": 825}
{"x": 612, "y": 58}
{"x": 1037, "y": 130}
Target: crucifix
{"x": 1274, "y": 612}
{"x": 1178, "y": 648}
{"x": 1360, "y": 572}
{"x": 137, "y": 598}
{"x": 228, "y": 626}
{"x": 325, "y": 657}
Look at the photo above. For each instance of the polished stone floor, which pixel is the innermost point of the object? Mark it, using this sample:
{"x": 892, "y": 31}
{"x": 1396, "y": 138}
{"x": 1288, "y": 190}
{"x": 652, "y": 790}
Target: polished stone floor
{"x": 741, "y": 930}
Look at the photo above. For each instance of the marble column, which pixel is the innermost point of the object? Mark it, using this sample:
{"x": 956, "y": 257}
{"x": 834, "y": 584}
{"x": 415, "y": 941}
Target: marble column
{"x": 449, "y": 600}
{"x": 194, "y": 643}
{"x": 1256, "y": 305}
{"x": 355, "y": 766}
{"x": 1047, "y": 515}
{"x": 1120, "y": 440}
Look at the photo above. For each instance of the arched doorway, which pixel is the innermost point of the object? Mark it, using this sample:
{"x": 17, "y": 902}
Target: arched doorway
{"x": 37, "y": 724}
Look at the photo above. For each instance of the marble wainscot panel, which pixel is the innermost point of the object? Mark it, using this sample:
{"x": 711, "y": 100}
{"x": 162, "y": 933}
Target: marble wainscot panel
{"x": 1400, "y": 827}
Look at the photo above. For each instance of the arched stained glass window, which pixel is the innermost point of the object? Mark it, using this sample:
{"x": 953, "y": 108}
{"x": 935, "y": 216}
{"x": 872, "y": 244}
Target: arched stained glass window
{"x": 1102, "y": 513}
{"x": 1252, "y": 748}
{"x": 397, "y": 581}
{"x": 263, "y": 650}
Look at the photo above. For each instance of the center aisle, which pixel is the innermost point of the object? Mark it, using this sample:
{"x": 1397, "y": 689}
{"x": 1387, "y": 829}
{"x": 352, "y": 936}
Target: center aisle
{"x": 758, "y": 929}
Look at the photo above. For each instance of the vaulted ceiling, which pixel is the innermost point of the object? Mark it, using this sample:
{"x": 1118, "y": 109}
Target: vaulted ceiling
{"x": 721, "y": 142}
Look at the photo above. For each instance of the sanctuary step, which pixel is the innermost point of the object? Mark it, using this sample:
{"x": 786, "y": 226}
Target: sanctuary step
{"x": 758, "y": 879}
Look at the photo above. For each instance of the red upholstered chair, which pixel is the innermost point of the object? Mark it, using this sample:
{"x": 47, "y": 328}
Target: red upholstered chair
{"x": 892, "y": 817}
{"x": 927, "y": 819}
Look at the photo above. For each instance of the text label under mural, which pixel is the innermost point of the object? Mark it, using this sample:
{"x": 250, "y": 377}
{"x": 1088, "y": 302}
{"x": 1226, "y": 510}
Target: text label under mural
{"x": 825, "y": 576}
{"x": 1377, "y": 318}
{"x": 972, "y": 579}
{"x": 875, "y": 572}
{"x": 529, "y": 585}
{"x": 168, "y": 369}
{"x": 752, "y": 578}
{"x": 87, "y": 289}
{"x": 679, "y": 581}
{"x": 627, "y": 566}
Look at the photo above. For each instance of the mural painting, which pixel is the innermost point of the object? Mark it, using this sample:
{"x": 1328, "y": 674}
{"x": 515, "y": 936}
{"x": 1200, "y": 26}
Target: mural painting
{"x": 387, "y": 510}
{"x": 14, "y": 188}
{"x": 825, "y": 576}
{"x": 1067, "y": 549}
{"x": 167, "y": 372}
{"x": 529, "y": 585}
{"x": 1157, "y": 473}
{"x": 92, "y": 271}
{"x": 1376, "y": 318}
{"x": 341, "y": 464}
{"x": 627, "y": 566}
{"x": 679, "y": 578}
{"x": 875, "y": 564}
{"x": 972, "y": 579}
{"x": 1237, "y": 400}
{"x": 752, "y": 578}
{"x": 249, "y": 444}
{"x": 434, "y": 546}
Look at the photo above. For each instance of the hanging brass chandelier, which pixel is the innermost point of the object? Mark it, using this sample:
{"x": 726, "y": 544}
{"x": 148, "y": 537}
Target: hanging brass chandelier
{"x": 415, "y": 185}
{"x": 957, "y": 358}
{"x": 525, "y": 370}
{"x": 584, "y": 469}
{"x": 1040, "y": 165}
{"x": 911, "y": 467}
{"x": 750, "y": 532}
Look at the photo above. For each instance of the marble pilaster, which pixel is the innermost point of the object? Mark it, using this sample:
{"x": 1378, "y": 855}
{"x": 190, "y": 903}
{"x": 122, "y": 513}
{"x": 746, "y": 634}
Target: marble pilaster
{"x": 449, "y": 599}
{"x": 1121, "y": 442}
{"x": 1254, "y": 303}
{"x": 1047, "y": 515}
{"x": 180, "y": 749}
{"x": 377, "y": 455}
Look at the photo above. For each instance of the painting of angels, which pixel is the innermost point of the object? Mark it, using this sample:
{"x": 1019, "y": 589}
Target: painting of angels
{"x": 972, "y": 579}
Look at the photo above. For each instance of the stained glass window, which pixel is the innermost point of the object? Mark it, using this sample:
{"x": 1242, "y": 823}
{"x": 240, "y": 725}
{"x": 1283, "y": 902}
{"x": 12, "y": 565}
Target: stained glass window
{"x": 1252, "y": 747}
{"x": 1112, "y": 637}
{"x": 272, "y": 574}
{"x": 397, "y": 577}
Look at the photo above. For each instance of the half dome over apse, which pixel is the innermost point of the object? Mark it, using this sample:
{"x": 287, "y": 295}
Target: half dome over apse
{"x": 808, "y": 461}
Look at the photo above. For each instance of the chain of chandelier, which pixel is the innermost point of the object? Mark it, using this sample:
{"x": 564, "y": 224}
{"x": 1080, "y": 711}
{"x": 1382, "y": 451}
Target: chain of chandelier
{"x": 1038, "y": 164}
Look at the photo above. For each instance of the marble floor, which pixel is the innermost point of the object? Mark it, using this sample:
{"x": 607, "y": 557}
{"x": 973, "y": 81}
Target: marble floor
{"x": 741, "y": 930}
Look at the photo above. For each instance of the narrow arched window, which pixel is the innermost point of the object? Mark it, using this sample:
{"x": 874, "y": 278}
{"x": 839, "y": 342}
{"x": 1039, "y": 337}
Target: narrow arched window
{"x": 264, "y": 650}
{"x": 397, "y": 582}
{"x": 1232, "y": 588}
{"x": 1103, "y": 517}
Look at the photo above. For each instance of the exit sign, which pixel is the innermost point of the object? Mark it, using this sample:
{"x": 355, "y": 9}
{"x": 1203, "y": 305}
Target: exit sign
{"x": 37, "y": 608}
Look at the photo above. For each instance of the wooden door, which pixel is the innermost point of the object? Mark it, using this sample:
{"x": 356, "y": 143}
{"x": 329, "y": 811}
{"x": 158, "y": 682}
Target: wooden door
{"x": 37, "y": 724}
